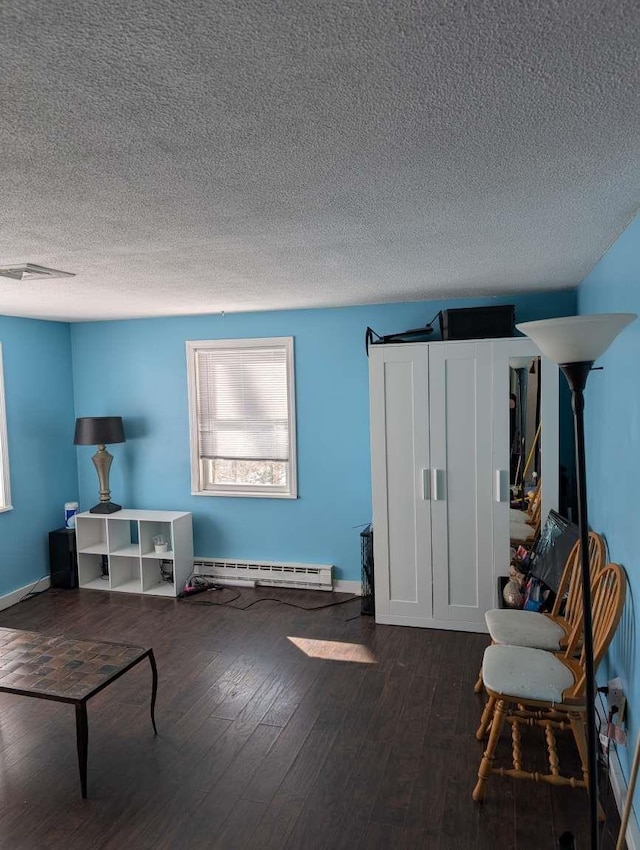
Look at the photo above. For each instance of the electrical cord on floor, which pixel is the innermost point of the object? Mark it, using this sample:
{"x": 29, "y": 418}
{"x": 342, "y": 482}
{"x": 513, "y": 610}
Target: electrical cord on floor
{"x": 33, "y": 592}
{"x": 293, "y": 604}
{"x": 228, "y": 602}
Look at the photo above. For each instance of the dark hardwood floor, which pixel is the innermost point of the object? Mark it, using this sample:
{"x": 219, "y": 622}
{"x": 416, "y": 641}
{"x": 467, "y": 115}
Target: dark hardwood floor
{"x": 367, "y": 741}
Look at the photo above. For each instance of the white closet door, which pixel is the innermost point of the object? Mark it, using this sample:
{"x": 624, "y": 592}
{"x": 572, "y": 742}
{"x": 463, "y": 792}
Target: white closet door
{"x": 461, "y": 414}
{"x": 399, "y": 391}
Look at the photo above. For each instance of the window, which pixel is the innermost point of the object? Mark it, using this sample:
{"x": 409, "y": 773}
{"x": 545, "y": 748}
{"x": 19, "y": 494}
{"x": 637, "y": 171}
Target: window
{"x": 242, "y": 412}
{"x": 5, "y": 493}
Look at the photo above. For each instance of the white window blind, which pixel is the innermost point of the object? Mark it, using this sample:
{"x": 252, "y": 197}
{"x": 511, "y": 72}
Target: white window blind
{"x": 242, "y": 404}
{"x": 242, "y": 410}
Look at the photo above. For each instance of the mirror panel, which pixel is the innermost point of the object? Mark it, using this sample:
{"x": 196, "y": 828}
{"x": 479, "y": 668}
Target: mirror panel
{"x": 525, "y": 426}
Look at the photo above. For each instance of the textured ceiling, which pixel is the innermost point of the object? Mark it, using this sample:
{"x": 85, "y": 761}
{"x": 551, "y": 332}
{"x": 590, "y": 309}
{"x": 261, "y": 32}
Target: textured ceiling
{"x": 192, "y": 156}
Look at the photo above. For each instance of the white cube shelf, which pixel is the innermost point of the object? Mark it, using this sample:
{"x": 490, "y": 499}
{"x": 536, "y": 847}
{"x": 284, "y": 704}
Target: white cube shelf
{"x": 116, "y": 551}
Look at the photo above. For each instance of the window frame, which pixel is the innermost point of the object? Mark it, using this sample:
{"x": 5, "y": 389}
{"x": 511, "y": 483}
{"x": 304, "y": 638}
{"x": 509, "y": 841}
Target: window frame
{"x": 241, "y": 490}
{"x": 5, "y": 481}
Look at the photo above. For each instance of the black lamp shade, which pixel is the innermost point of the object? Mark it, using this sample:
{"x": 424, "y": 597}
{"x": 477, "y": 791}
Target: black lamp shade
{"x": 98, "y": 431}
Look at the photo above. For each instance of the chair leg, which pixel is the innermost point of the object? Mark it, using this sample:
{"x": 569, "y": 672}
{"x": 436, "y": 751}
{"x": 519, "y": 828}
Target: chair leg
{"x": 577, "y": 727}
{"x": 479, "y": 685}
{"x": 485, "y": 720}
{"x": 484, "y": 771}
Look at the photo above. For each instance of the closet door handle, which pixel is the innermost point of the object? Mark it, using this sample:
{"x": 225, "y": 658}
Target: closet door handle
{"x": 437, "y": 485}
{"x": 426, "y": 489}
{"x": 500, "y": 488}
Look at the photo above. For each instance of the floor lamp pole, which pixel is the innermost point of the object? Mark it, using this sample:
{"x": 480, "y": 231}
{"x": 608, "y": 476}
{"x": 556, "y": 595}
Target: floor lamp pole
{"x": 576, "y": 375}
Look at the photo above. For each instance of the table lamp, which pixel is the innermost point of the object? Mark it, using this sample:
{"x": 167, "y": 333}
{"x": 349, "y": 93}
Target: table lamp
{"x": 98, "y": 431}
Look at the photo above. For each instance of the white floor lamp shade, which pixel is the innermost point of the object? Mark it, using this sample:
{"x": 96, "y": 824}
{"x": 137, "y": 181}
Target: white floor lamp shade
{"x": 576, "y": 339}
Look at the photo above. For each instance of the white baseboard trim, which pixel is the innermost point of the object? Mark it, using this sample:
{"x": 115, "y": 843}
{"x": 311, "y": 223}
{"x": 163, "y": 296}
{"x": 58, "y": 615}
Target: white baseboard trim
{"x": 619, "y": 788}
{"x": 16, "y": 596}
{"x": 619, "y": 785}
{"x": 427, "y": 623}
{"x": 340, "y": 586}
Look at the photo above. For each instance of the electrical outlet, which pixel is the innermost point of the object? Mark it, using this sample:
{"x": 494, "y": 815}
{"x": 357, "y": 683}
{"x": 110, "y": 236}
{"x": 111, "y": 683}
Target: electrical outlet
{"x": 616, "y": 704}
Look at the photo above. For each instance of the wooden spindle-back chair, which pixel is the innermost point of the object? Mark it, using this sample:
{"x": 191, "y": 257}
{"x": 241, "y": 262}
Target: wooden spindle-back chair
{"x": 534, "y": 687}
{"x": 526, "y": 628}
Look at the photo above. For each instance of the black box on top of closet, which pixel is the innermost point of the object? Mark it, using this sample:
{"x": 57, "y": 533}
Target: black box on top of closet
{"x": 478, "y": 322}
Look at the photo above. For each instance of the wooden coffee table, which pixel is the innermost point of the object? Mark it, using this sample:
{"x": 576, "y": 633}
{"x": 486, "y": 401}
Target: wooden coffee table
{"x": 66, "y": 670}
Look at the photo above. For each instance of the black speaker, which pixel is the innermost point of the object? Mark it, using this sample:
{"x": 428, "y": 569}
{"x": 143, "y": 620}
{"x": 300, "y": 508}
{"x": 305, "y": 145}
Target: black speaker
{"x": 63, "y": 562}
{"x": 478, "y": 322}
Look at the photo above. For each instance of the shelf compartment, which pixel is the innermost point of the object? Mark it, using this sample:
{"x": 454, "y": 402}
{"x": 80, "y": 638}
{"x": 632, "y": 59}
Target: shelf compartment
{"x": 94, "y": 549}
{"x": 122, "y": 535}
{"x": 159, "y": 556}
{"x": 96, "y": 584}
{"x": 162, "y": 589}
{"x": 90, "y": 570}
{"x": 132, "y": 586}
{"x": 125, "y": 574}
{"x": 152, "y": 580}
{"x": 149, "y": 530}
{"x": 132, "y": 550}
{"x": 91, "y": 535}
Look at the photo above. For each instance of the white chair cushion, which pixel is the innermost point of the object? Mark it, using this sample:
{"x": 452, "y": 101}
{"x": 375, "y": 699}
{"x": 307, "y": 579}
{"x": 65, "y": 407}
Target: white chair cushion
{"x": 521, "y": 531}
{"x": 524, "y": 673}
{"x": 511, "y": 627}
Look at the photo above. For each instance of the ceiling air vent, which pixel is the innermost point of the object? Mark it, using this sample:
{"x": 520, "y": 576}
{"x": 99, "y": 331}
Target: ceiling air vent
{"x": 29, "y": 271}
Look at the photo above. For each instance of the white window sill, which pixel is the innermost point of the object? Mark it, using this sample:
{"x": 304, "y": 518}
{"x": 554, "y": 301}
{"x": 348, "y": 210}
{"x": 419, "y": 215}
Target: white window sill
{"x": 249, "y": 495}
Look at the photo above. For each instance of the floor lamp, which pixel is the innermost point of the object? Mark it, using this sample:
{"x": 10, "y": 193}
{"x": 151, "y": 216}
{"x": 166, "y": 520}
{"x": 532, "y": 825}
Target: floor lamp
{"x": 574, "y": 343}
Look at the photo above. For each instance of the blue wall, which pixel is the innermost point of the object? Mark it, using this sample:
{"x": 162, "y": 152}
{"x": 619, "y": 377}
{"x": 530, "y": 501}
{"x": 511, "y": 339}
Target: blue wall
{"x": 42, "y": 459}
{"x": 137, "y": 369}
{"x": 613, "y": 447}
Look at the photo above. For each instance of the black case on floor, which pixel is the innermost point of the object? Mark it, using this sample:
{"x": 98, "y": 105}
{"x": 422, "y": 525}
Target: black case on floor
{"x": 63, "y": 562}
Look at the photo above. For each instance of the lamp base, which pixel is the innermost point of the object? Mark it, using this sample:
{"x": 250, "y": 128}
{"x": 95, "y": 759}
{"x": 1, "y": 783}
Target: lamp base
{"x": 105, "y": 508}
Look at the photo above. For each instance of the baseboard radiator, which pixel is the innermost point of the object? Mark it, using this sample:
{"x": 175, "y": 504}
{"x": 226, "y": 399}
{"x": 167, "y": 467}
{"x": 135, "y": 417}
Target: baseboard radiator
{"x": 268, "y": 573}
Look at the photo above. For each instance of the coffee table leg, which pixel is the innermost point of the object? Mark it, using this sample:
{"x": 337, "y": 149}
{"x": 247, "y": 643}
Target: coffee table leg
{"x": 154, "y": 688}
{"x": 82, "y": 739}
